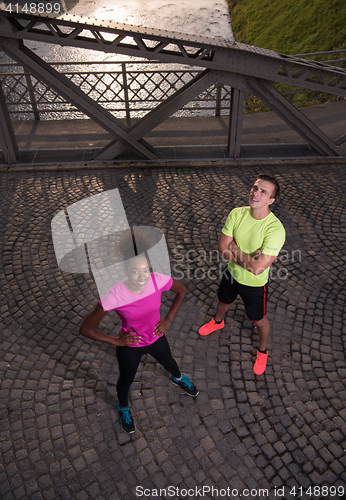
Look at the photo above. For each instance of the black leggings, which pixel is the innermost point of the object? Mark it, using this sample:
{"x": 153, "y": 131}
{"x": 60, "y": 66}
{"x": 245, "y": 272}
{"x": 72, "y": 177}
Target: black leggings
{"x": 129, "y": 358}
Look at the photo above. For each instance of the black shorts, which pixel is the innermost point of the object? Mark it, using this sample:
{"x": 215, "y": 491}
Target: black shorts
{"x": 254, "y": 297}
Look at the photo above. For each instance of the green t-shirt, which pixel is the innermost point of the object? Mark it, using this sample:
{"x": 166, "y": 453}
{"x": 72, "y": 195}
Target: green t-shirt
{"x": 251, "y": 234}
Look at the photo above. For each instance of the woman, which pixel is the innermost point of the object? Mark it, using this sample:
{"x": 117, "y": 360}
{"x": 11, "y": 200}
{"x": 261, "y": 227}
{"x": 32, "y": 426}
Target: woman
{"x": 137, "y": 301}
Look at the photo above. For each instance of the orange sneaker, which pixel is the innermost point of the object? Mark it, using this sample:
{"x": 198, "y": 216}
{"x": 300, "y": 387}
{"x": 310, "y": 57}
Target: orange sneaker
{"x": 260, "y": 363}
{"x": 211, "y": 327}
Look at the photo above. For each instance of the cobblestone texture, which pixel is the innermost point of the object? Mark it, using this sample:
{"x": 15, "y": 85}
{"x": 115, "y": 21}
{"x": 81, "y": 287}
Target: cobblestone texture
{"x": 59, "y": 426}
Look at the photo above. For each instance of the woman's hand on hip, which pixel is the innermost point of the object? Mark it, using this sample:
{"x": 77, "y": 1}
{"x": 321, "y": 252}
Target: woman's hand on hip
{"x": 127, "y": 338}
{"x": 161, "y": 326}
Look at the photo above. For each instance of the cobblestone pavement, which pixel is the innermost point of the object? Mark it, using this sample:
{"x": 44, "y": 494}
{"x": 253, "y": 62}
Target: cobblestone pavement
{"x": 283, "y": 432}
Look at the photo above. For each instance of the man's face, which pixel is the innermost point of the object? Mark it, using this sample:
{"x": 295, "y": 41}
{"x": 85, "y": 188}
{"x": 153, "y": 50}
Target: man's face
{"x": 261, "y": 194}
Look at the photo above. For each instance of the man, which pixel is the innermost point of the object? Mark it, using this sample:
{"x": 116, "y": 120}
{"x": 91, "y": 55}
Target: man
{"x": 251, "y": 239}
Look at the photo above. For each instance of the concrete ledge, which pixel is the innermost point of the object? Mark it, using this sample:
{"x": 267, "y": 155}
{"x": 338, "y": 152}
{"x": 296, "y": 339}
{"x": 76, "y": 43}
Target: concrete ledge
{"x": 227, "y": 163}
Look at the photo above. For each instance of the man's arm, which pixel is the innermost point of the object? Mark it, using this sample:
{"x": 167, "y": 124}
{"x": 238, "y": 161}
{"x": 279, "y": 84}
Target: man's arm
{"x": 223, "y": 247}
{"x": 230, "y": 251}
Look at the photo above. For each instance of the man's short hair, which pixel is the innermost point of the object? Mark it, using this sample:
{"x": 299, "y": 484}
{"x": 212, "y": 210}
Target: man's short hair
{"x": 273, "y": 181}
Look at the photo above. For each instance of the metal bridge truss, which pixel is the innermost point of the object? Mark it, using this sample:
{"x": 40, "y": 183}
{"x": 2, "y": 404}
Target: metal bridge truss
{"x": 246, "y": 69}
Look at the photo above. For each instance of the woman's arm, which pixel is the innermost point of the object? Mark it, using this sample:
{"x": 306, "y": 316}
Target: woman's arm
{"x": 180, "y": 290}
{"x": 88, "y": 329}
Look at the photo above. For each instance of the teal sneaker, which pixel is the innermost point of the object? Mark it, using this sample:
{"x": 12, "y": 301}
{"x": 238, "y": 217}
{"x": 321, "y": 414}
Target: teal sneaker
{"x": 186, "y": 384}
{"x": 126, "y": 419}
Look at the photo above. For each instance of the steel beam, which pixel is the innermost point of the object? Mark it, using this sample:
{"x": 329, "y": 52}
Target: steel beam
{"x": 282, "y": 107}
{"x": 341, "y": 140}
{"x": 292, "y": 116}
{"x": 175, "y": 47}
{"x": 73, "y": 94}
{"x": 235, "y": 122}
{"x": 7, "y": 137}
{"x": 159, "y": 114}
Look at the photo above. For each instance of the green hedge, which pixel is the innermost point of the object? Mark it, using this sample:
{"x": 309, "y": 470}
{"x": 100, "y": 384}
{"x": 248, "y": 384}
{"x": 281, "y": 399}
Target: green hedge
{"x": 290, "y": 26}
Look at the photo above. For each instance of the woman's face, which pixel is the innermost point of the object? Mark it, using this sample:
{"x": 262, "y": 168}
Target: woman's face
{"x": 137, "y": 271}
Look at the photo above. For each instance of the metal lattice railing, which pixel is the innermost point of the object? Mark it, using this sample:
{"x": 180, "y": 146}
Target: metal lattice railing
{"x": 127, "y": 89}
{"x": 130, "y": 89}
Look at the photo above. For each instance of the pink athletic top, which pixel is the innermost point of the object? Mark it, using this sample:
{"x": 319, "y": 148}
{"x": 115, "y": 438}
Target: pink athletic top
{"x": 139, "y": 312}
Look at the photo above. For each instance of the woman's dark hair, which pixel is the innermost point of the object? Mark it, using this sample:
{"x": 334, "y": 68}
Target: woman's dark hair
{"x": 130, "y": 245}
{"x": 273, "y": 181}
